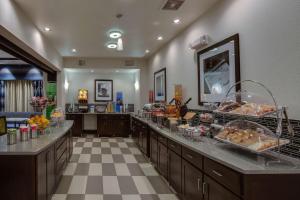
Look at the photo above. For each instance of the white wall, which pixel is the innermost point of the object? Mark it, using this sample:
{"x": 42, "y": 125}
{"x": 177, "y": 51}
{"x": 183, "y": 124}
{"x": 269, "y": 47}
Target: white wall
{"x": 17, "y": 27}
{"x": 117, "y": 63}
{"x": 269, "y": 46}
{"x": 122, "y": 82}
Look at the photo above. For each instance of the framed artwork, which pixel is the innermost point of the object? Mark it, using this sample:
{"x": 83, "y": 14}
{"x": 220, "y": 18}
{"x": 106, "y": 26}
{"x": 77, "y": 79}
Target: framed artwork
{"x": 103, "y": 90}
{"x": 160, "y": 86}
{"x": 218, "y": 70}
{"x": 3, "y": 125}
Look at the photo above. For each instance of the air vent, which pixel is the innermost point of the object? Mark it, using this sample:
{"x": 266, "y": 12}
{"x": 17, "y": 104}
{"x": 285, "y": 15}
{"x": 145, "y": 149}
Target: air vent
{"x": 81, "y": 62}
{"x": 129, "y": 63}
{"x": 172, "y": 4}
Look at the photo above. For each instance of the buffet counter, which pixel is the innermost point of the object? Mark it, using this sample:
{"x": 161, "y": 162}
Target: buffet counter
{"x": 34, "y": 146}
{"x": 211, "y": 170}
{"x": 105, "y": 124}
{"x": 33, "y": 169}
{"x": 237, "y": 159}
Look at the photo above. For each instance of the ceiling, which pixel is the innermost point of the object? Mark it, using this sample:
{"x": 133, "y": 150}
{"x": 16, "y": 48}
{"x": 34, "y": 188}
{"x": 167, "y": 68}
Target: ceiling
{"x": 83, "y": 25}
{"x": 8, "y": 59}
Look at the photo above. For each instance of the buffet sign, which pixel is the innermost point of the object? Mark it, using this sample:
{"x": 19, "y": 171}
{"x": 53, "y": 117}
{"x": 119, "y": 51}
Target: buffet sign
{"x": 218, "y": 69}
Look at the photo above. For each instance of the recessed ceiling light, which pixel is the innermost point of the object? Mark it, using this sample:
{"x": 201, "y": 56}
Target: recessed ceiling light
{"x": 176, "y": 21}
{"x": 111, "y": 45}
{"x": 115, "y": 34}
{"x": 92, "y": 71}
{"x": 47, "y": 29}
{"x": 160, "y": 38}
{"x": 117, "y": 71}
{"x": 147, "y": 51}
{"x": 74, "y": 50}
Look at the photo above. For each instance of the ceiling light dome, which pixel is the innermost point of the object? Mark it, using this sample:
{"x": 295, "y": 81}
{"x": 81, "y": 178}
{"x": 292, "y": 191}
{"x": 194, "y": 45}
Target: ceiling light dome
{"x": 111, "y": 45}
{"x": 115, "y": 34}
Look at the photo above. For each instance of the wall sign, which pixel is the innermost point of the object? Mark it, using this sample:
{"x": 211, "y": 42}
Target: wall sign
{"x": 218, "y": 69}
{"x": 160, "y": 85}
{"x": 103, "y": 90}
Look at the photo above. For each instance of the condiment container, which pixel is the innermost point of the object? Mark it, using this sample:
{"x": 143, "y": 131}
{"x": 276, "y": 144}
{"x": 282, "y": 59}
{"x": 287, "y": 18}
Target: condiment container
{"x": 24, "y": 133}
{"x": 11, "y": 136}
{"x": 33, "y": 131}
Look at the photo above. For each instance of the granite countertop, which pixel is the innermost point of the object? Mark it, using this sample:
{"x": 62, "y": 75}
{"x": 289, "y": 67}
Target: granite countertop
{"x": 233, "y": 157}
{"x": 34, "y": 146}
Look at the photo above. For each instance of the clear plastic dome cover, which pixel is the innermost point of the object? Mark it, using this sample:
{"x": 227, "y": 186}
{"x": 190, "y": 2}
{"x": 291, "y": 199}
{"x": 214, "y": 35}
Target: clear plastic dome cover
{"x": 253, "y": 100}
{"x": 249, "y": 135}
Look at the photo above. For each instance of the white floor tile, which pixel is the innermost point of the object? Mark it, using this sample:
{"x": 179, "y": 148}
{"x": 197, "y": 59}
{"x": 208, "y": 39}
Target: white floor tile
{"x": 148, "y": 169}
{"x": 88, "y": 144}
{"x": 135, "y": 151}
{"x": 129, "y": 159}
{"x": 105, "y": 144}
{"x": 70, "y": 169}
{"x": 111, "y": 185}
{"x": 81, "y": 140}
{"x": 115, "y": 150}
{"x": 78, "y": 185}
{"x": 96, "y": 140}
{"x": 93, "y": 197}
{"x": 107, "y": 158}
{"x": 96, "y": 150}
{"x": 123, "y": 145}
{"x": 84, "y": 158}
{"x": 95, "y": 169}
{"x": 112, "y": 140}
{"x": 143, "y": 185}
{"x": 131, "y": 197}
{"x": 77, "y": 150}
{"x": 122, "y": 169}
{"x": 59, "y": 197}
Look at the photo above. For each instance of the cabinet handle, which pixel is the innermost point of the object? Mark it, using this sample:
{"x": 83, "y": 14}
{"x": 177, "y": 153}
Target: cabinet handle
{"x": 204, "y": 186}
{"x": 198, "y": 184}
{"x": 188, "y": 155}
{"x": 217, "y": 173}
{"x": 172, "y": 145}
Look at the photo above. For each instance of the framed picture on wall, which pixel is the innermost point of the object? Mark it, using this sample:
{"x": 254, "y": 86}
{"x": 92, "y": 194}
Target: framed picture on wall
{"x": 218, "y": 69}
{"x": 160, "y": 85}
{"x": 103, "y": 90}
{"x": 3, "y": 125}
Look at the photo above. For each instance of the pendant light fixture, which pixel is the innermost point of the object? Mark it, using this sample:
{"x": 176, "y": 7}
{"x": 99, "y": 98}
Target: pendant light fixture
{"x": 116, "y": 35}
{"x": 120, "y": 45}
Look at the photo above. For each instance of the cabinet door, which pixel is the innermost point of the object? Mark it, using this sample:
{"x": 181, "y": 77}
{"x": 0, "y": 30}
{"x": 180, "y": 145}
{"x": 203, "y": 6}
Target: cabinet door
{"x": 154, "y": 151}
{"x": 175, "y": 171}
{"x": 78, "y": 125}
{"x": 42, "y": 176}
{"x": 191, "y": 182}
{"x": 105, "y": 126}
{"x": 50, "y": 158}
{"x": 163, "y": 160}
{"x": 214, "y": 191}
{"x": 45, "y": 174}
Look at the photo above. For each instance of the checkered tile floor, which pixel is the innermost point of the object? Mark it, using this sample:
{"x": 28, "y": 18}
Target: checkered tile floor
{"x": 110, "y": 169}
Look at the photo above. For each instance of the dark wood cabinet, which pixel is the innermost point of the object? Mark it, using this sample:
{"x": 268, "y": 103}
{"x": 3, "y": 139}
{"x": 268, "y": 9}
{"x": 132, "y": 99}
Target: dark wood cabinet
{"x": 174, "y": 171}
{"x": 153, "y": 148}
{"x": 215, "y": 191}
{"x": 46, "y": 174}
{"x": 34, "y": 177}
{"x": 162, "y": 163}
{"x": 113, "y": 125}
{"x": 197, "y": 177}
{"x": 78, "y": 124}
{"x": 191, "y": 182}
